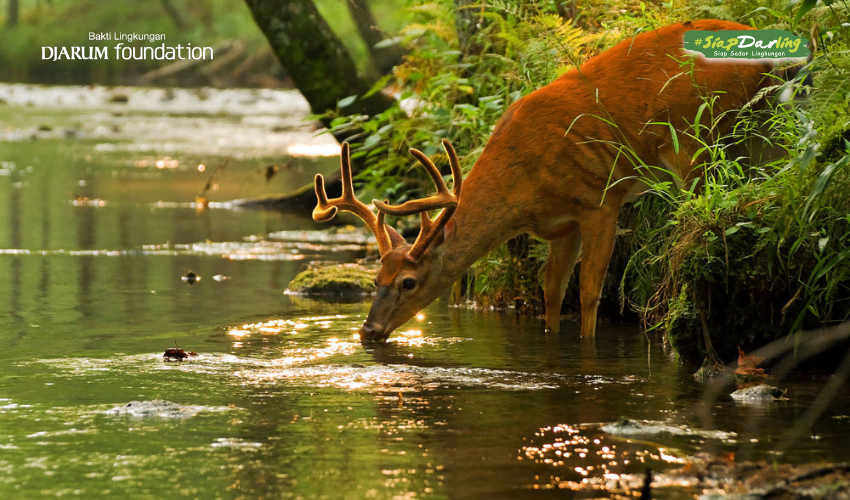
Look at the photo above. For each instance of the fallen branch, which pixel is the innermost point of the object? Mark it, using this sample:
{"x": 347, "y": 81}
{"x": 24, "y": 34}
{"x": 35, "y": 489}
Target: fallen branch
{"x": 299, "y": 202}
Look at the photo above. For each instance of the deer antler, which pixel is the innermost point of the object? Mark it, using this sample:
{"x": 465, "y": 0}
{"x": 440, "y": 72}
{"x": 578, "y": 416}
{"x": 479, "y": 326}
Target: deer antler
{"x": 326, "y": 209}
{"x": 443, "y": 199}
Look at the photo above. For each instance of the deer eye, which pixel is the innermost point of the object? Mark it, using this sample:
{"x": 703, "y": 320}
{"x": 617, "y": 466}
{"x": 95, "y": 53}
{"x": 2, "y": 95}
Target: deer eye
{"x": 408, "y": 284}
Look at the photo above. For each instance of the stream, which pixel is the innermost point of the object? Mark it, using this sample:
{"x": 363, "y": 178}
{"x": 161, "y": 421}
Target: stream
{"x": 98, "y": 226}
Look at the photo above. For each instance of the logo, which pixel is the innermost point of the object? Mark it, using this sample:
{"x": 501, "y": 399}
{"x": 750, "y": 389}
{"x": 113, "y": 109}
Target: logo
{"x": 746, "y": 44}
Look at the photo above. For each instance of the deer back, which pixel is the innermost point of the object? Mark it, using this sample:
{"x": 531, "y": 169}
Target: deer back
{"x": 558, "y": 145}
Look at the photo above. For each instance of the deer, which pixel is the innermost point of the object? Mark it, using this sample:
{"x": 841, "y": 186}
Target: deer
{"x": 555, "y": 167}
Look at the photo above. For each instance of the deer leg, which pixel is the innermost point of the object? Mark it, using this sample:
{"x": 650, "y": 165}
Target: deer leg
{"x": 563, "y": 252}
{"x": 598, "y": 234}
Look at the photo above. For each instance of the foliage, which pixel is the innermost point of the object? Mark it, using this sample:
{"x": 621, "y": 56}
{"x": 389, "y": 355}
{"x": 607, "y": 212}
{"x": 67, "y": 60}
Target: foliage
{"x": 510, "y": 276}
{"x": 760, "y": 251}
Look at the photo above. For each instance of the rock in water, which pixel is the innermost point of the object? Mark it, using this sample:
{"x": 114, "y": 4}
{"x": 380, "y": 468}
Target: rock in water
{"x": 334, "y": 280}
{"x": 759, "y": 394}
{"x": 156, "y": 408}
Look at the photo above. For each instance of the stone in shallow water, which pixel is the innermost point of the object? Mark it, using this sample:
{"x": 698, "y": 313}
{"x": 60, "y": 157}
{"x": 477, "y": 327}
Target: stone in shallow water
{"x": 342, "y": 279}
{"x": 156, "y": 408}
{"x": 759, "y": 393}
{"x": 628, "y": 427}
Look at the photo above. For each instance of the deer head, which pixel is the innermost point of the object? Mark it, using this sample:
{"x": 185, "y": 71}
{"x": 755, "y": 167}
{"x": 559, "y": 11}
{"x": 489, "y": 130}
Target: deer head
{"x": 410, "y": 276}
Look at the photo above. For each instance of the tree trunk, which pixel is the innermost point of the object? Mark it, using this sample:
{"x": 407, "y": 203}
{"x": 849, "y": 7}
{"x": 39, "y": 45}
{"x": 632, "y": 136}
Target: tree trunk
{"x": 384, "y": 58}
{"x": 12, "y": 14}
{"x": 301, "y": 201}
{"x": 313, "y": 56}
{"x": 568, "y": 10}
{"x": 321, "y": 68}
{"x": 173, "y": 14}
{"x": 468, "y": 20}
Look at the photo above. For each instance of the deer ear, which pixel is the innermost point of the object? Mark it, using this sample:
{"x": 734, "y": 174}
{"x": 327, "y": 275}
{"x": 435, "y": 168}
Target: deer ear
{"x": 437, "y": 236}
{"x": 448, "y": 232}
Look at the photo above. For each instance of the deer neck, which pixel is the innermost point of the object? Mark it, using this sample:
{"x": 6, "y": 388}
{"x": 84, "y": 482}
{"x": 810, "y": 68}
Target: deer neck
{"x": 482, "y": 221}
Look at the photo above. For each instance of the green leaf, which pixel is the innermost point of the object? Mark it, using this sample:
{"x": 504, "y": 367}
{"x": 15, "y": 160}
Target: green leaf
{"x": 387, "y": 43}
{"x": 336, "y": 122}
{"x": 372, "y": 140}
{"x": 346, "y": 101}
{"x": 805, "y": 7}
{"x": 379, "y": 85}
{"x": 822, "y": 182}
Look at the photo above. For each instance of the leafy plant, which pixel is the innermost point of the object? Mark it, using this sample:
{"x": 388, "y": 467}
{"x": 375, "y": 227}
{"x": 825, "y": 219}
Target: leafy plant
{"x": 760, "y": 252}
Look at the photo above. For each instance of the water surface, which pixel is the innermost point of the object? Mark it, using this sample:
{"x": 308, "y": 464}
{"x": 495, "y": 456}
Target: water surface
{"x": 97, "y": 226}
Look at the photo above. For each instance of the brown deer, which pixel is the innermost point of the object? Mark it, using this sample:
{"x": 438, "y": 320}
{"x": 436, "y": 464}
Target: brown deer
{"x": 559, "y": 164}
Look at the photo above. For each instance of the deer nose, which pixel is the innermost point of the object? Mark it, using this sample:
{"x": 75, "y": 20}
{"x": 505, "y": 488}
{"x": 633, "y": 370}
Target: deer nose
{"x": 372, "y": 333}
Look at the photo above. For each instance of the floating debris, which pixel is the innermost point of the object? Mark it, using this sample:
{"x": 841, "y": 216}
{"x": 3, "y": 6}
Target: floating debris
{"x": 201, "y": 204}
{"x": 270, "y": 171}
{"x": 191, "y": 277}
{"x": 85, "y": 201}
{"x": 177, "y": 354}
{"x": 748, "y": 368}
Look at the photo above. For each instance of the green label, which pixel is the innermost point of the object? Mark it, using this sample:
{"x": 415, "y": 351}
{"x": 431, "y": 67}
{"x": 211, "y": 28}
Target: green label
{"x": 746, "y": 44}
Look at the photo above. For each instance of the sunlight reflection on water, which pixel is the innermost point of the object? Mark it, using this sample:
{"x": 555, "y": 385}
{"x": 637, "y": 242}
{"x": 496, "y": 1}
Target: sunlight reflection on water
{"x": 584, "y": 458}
{"x": 399, "y": 378}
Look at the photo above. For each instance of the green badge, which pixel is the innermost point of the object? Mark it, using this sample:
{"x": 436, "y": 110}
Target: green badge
{"x": 746, "y": 44}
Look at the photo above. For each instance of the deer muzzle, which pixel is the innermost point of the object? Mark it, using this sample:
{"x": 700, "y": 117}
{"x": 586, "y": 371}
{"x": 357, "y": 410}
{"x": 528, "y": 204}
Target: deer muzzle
{"x": 372, "y": 333}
